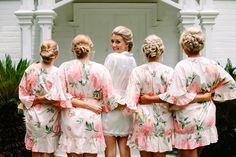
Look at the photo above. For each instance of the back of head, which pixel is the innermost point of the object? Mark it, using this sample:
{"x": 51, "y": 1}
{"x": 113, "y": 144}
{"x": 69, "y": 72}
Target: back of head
{"x": 48, "y": 50}
{"x": 126, "y": 34}
{"x": 82, "y": 45}
{"x": 192, "y": 40}
{"x": 153, "y": 46}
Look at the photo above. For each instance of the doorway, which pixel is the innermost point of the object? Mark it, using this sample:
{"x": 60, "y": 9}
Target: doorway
{"x": 98, "y": 20}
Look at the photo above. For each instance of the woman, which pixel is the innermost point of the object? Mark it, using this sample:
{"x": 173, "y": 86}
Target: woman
{"x": 152, "y": 124}
{"x": 41, "y": 116}
{"x": 82, "y": 88}
{"x": 120, "y": 63}
{"x": 195, "y": 124}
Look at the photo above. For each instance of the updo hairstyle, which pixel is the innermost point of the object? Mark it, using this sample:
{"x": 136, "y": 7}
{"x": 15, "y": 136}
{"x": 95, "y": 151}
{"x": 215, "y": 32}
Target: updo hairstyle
{"x": 48, "y": 50}
{"x": 126, "y": 34}
{"x": 153, "y": 46}
{"x": 192, "y": 40}
{"x": 82, "y": 45}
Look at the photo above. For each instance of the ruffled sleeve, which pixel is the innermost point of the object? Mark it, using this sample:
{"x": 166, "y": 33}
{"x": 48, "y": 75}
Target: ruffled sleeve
{"x": 108, "y": 96}
{"x": 225, "y": 88}
{"x": 177, "y": 92}
{"x": 133, "y": 90}
{"x": 25, "y": 92}
{"x": 59, "y": 90}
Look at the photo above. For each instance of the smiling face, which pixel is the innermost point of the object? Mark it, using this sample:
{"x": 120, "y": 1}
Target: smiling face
{"x": 118, "y": 44}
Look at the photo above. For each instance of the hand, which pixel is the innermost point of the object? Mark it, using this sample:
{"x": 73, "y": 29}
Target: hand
{"x": 207, "y": 96}
{"x": 95, "y": 108}
{"x": 120, "y": 107}
{"x": 145, "y": 99}
{"x": 38, "y": 100}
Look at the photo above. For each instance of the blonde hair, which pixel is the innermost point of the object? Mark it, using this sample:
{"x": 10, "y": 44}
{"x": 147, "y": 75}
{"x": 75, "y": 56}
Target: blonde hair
{"x": 192, "y": 40}
{"x": 153, "y": 46}
{"x": 48, "y": 50}
{"x": 82, "y": 45}
{"x": 126, "y": 34}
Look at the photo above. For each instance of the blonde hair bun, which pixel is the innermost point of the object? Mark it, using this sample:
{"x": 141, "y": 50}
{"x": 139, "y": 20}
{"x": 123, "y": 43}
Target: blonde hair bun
{"x": 48, "y": 50}
{"x": 192, "y": 40}
{"x": 82, "y": 45}
{"x": 153, "y": 46}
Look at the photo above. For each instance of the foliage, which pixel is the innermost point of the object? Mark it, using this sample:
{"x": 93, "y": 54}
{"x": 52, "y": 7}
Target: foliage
{"x": 10, "y": 76}
{"x": 12, "y": 127}
{"x": 226, "y": 125}
{"x": 230, "y": 69}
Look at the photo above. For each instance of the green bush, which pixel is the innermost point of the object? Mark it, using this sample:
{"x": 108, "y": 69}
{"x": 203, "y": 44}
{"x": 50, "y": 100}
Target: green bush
{"x": 12, "y": 127}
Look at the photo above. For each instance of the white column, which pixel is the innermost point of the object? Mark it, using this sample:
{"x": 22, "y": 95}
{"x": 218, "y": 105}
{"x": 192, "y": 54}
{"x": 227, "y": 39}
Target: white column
{"x": 45, "y": 4}
{"x": 27, "y": 5}
{"x": 25, "y": 17}
{"x": 207, "y": 20}
{"x": 189, "y": 4}
{"x": 187, "y": 19}
{"x": 45, "y": 20}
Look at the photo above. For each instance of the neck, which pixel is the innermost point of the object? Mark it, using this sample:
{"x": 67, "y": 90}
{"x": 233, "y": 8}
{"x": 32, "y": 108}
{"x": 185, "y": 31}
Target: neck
{"x": 44, "y": 65}
{"x": 194, "y": 55}
{"x": 86, "y": 58}
{"x": 155, "y": 59}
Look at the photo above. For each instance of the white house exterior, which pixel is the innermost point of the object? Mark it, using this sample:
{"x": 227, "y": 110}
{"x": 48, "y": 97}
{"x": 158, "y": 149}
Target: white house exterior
{"x": 25, "y": 23}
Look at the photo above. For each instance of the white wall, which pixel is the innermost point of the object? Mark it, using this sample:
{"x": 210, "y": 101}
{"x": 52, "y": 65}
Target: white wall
{"x": 224, "y": 35}
{"x": 63, "y": 32}
{"x": 9, "y": 30}
{"x": 166, "y": 29}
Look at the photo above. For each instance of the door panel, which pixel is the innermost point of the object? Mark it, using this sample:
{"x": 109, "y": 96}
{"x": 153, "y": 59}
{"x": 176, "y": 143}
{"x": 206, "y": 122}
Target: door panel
{"x": 99, "y": 21}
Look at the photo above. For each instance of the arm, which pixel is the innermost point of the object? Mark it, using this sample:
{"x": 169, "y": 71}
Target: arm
{"x": 198, "y": 98}
{"x": 86, "y": 105}
{"x": 43, "y": 99}
{"x": 202, "y": 97}
{"x": 147, "y": 99}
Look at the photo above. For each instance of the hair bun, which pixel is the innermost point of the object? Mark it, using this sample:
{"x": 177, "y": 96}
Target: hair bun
{"x": 82, "y": 45}
{"x": 192, "y": 39}
{"x": 48, "y": 51}
{"x": 153, "y": 46}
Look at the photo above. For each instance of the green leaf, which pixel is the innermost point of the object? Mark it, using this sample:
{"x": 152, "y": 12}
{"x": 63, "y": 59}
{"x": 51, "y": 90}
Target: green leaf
{"x": 10, "y": 76}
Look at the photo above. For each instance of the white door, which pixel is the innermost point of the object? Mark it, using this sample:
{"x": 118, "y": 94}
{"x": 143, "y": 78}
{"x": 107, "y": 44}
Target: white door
{"x": 98, "y": 21}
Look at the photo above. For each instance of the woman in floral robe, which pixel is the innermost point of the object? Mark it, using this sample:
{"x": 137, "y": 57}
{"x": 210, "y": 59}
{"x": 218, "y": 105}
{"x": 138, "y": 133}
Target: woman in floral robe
{"x": 195, "y": 124}
{"x": 83, "y": 87}
{"x": 152, "y": 124}
{"x": 41, "y": 117}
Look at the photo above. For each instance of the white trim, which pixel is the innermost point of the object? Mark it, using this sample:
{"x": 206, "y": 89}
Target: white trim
{"x": 25, "y": 20}
{"x": 45, "y": 20}
{"x": 173, "y": 4}
{"x": 61, "y": 3}
{"x": 150, "y": 9}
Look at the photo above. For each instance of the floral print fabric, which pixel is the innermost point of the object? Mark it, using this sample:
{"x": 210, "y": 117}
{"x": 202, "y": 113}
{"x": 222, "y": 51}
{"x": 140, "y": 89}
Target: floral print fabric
{"x": 152, "y": 124}
{"x": 81, "y": 128}
{"x": 195, "y": 124}
{"x": 42, "y": 120}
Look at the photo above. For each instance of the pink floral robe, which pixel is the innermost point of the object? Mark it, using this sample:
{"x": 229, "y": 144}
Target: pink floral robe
{"x": 195, "y": 125}
{"x": 152, "y": 125}
{"x": 42, "y": 120}
{"x": 81, "y": 128}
